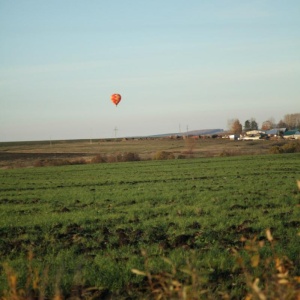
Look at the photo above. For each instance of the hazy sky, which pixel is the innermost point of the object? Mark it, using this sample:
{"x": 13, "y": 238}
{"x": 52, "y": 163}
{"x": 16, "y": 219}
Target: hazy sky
{"x": 177, "y": 64}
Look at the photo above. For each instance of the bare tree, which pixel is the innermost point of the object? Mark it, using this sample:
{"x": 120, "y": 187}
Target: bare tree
{"x": 269, "y": 124}
{"x": 292, "y": 120}
{"x": 190, "y": 143}
{"x": 282, "y": 124}
{"x": 235, "y": 126}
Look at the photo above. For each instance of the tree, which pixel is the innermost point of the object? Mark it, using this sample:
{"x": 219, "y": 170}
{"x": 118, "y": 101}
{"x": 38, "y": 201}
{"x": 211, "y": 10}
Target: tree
{"x": 247, "y": 125}
{"x": 267, "y": 125}
{"x": 282, "y": 124}
{"x": 235, "y": 126}
{"x": 250, "y": 125}
{"x": 292, "y": 120}
{"x": 253, "y": 124}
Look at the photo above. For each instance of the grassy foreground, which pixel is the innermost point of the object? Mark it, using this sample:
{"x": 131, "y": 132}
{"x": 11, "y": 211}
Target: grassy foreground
{"x": 189, "y": 229}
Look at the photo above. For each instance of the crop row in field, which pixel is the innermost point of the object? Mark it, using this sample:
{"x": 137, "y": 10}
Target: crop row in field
{"x": 89, "y": 223}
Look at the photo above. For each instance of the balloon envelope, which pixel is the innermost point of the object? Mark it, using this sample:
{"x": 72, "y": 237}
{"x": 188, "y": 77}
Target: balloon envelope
{"x": 116, "y": 98}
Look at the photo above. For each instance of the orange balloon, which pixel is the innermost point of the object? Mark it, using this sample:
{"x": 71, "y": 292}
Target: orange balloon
{"x": 116, "y": 98}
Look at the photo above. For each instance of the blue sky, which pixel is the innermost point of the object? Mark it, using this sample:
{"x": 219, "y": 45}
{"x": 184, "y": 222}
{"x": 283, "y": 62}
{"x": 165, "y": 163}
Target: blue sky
{"x": 177, "y": 64}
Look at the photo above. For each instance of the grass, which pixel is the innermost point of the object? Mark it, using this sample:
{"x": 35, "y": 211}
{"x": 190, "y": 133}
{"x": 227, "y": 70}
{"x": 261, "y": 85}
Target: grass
{"x": 28, "y": 154}
{"x": 178, "y": 221}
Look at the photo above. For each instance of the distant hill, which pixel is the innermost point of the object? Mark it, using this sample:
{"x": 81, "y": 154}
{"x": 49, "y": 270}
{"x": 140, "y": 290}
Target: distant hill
{"x": 192, "y": 132}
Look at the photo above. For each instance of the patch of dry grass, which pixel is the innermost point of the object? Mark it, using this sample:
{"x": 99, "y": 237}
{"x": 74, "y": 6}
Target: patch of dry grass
{"x": 28, "y": 154}
{"x": 275, "y": 283}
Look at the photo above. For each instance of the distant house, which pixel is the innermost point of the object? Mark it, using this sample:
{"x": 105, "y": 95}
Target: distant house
{"x": 292, "y": 134}
{"x": 254, "y": 135}
{"x": 275, "y": 132}
{"x": 254, "y": 132}
{"x": 234, "y": 137}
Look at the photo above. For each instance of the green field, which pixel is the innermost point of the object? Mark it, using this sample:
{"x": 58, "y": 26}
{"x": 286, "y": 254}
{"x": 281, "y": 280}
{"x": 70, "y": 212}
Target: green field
{"x": 88, "y": 224}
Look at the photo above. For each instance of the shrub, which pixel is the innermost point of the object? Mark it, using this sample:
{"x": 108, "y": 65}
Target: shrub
{"x": 78, "y": 161}
{"x": 275, "y": 150}
{"x": 111, "y": 158}
{"x": 38, "y": 163}
{"x": 264, "y": 277}
{"x": 226, "y": 153}
{"x": 190, "y": 144}
{"x": 291, "y": 147}
{"x": 118, "y": 157}
{"x": 276, "y": 280}
{"x": 163, "y": 155}
{"x": 58, "y": 162}
{"x": 130, "y": 156}
{"x": 98, "y": 159}
{"x": 51, "y": 162}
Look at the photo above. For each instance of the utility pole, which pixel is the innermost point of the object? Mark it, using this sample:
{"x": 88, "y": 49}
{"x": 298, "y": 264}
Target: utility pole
{"x": 116, "y": 130}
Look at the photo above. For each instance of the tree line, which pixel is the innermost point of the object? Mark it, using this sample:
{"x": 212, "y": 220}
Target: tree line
{"x": 289, "y": 121}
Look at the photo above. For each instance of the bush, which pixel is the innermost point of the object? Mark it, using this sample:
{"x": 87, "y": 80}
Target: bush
{"x": 130, "y": 156}
{"x": 275, "y": 150}
{"x": 263, "y": 277}
{"x": 118, "y": 157}
{"x": 163, "y": 155}
{"x": 291, "y": 147}
{"x": 190, "y": 144}
{"x": 78, "y": 161}
{"x": 39, "y": 163}
{"x": 58, "y": 162}
{"x": 98, "y": 159}
{"x": 111, "y": 158}
{"x": 51, "y": 162}
{"x": 226, "y": 153}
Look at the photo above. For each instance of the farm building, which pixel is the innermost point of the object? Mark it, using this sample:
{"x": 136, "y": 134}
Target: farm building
{"x": 254, "y": 132}
{"x": 234, "y": 137}
{"x": 254, "y": 135}
{"x": 275, "y": 132}
{"x": 292, "y": 134}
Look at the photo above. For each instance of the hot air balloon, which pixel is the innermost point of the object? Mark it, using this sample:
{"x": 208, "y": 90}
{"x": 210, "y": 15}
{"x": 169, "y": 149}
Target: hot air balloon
{"x": 115, "y": 98}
